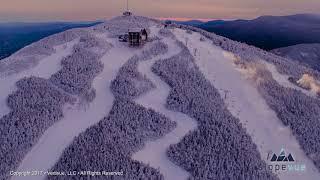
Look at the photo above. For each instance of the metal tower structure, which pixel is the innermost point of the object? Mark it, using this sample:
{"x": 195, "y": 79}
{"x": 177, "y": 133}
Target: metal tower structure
{"x": 127, "y": 12}
{"x": 127, "y": 5}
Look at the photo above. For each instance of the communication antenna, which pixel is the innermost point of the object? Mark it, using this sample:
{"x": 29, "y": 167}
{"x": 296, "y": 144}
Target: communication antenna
{"x": 127, "y": 5}
{"x": 127, "y": 12}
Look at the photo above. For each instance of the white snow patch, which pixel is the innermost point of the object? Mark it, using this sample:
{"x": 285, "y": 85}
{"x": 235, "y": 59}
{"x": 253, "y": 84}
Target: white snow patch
{"x": 44, "y": 69}
{"x": 51, "y": 145}
{"x": 154, "y": 152}
{"x": 245, "y": 103}
{"x": 309, "y": 82}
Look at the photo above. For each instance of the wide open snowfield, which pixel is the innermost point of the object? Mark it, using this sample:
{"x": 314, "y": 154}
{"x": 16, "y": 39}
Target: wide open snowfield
{"x": 245, "y": 103}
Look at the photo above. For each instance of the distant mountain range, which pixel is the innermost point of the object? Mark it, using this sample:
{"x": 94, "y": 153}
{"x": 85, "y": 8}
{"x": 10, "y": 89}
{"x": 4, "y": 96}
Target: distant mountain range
{"x": 305, "y": 53}
{"x": 14, "y": 36}
{"x": 190, "y": 23}
{"x": 267, "y": 32}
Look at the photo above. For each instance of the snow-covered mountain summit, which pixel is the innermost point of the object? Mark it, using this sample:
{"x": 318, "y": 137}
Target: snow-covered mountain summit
{"x": 186, "y": 104}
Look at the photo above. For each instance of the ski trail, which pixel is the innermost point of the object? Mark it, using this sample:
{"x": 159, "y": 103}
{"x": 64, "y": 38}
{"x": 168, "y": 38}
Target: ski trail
{"x": 44, "y": 69}
{"x": 283, "y": 80}
{"x": 244, "y": 102}
{"x": 154, "y": 152}
{"x": 51, "y": 145}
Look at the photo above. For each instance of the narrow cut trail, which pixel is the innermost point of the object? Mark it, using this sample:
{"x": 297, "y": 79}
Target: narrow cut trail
{"x": 154, "y": 153}
{"x": 58, "y": 137}
{"x": 283, "y": 80}
{"x": 245, "y": 103}
{"x": 44, "y": 69}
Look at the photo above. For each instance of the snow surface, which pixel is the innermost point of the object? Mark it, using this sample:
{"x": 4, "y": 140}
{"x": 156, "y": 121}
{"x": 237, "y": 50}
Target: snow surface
{"x": 45, "y": 68}
{"x": 77, "y": 119}
{"x": 245, "y": 103}
{"x": 154, "y": 153}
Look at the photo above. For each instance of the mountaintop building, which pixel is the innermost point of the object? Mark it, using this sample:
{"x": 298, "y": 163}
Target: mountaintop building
{"x": 137, "y": 37}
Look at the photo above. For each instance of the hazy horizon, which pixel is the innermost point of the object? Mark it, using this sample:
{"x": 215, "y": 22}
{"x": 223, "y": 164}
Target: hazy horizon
{"x": 85, "y": 10}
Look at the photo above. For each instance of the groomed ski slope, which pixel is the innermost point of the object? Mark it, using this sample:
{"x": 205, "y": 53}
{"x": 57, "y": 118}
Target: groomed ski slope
{"x": 45, "y": 68}
{"x": 154, "y": 153}
{"x": 77, "y": 119}
{"x": 245, "y": 103}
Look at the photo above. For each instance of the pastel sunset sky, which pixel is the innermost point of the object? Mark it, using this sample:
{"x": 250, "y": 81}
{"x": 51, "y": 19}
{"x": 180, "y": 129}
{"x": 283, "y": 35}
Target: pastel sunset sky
{"x": 69, "y": 10}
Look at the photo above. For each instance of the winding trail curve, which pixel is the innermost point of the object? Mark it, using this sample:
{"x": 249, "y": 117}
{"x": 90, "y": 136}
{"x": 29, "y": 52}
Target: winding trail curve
{"x": 154, "y": 152}
{"x": 44, "y": 69}
{"x": 51, "y": 145}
